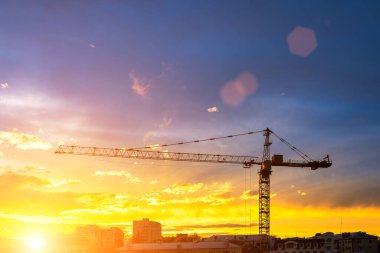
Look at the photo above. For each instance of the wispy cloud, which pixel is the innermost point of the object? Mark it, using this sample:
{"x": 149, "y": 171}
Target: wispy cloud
{"x": 41, "y": 219}
{"x": 178, "y": 189}
{"x": 166, "y": 121}
{"x": 19, "y": 180}
{"x": 23, "y": 141}
{"x": 57, "y": 183}
{"x": 250, "y": 194}
{"x": 214, "y": 194}
{"x": 29, "y": 168}
{"x": 28, "y": 101}
{"x": 301, "y": 193}
{"x": 138, "y": 85}
{"x": 34, "y": 199}
{"x": 10, "y": 180}
{"x": 114, "y": 173}
{"x": 4, "y": 85}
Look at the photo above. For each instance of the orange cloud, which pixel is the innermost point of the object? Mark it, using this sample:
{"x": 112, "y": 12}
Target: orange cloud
{"x": 301, "y": 193}
{"x": 23, "y": 141}
{"x": 10, "y": 180}
{"x": 186, "y": 193}
{"x": 57, "y": 183}
{"x": 127, "y": 175}
{"x": 138, "y": 85}
{"x": 186, "y": 188}
{"x": 250, "y": 194}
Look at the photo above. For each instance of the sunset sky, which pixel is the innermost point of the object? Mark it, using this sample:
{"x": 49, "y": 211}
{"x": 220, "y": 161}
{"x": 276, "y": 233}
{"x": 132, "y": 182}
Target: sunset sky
{"x": 136, "y": 73}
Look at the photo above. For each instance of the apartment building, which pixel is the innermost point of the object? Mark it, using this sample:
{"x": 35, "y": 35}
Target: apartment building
{"x": 146, "y": 231}
{"x": 358, "y": 242}
{"x": 298, "y": 245}
{"x": 183, "y": 247}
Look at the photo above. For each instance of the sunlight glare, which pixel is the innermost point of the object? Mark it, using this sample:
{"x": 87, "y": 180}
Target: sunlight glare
{"x": 35, "y": 243}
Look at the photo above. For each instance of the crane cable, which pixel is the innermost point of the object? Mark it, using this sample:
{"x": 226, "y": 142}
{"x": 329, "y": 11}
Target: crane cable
{"x": 196, "y": 141}
{"x": 296, "y": 150}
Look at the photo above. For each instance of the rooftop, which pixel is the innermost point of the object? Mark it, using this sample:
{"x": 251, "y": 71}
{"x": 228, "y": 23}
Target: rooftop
{"x": 177, "y": 245}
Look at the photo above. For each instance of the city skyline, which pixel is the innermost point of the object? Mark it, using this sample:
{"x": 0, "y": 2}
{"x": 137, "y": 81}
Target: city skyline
{"x": 136, "y": 73}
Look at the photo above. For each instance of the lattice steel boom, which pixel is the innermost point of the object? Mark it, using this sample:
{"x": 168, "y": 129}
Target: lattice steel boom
{"x": 157, "y": 155}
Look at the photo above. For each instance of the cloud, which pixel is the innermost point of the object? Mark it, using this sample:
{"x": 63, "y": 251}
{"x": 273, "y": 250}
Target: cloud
{"x": 114, "y": 173}
{"x": 41, "y": 219}
{"x": 23, "y": 141}
{"x": 10, "y": 180}
{"x": 28, "y": 101}
{"x": 57, "y": 183}
{"x": 150, "y": 135}
{"x": 220, "y": 188}
{"x": 360, "y": 192}
{"x": 214, "y": 194}
{"x": 186, "y": 188}
{"x": 31, "y": 168}
{"x": 4, "y": 85}
{"x": 92, "y": 45}
{"x": 166, "y": 121}
{"x": 213, "y": 109}
{"x": 20, "y": 180}
{"x": 138, "y": 85}
{"x": 250, "y": 194}
{"x": 301, "y": 193}
{"x": 28, "y": 196}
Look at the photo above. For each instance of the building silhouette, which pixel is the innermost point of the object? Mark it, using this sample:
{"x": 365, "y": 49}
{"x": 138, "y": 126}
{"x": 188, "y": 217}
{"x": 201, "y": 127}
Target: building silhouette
{"x": 358, "y": 242}
{"x": 146, "y": 231}
{"x": 183, "y": 247}
{"x": 298, "y": 245}
{"x": 87, "y": 239}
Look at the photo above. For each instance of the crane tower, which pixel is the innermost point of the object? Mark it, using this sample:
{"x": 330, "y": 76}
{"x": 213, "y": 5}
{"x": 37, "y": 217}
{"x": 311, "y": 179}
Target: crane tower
{"x": 265, "y": 163}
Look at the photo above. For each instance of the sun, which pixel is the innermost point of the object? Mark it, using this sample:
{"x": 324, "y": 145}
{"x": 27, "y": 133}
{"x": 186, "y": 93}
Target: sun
{"x": 36, "y": 243}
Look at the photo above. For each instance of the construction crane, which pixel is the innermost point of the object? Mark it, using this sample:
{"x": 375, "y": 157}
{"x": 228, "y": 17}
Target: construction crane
{"x": 266, "y": 163}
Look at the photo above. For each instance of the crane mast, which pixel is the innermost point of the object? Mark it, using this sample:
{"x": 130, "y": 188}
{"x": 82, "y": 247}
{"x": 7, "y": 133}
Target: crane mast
{"x": 264, "y": 194}
{"x": 265, "y": 171}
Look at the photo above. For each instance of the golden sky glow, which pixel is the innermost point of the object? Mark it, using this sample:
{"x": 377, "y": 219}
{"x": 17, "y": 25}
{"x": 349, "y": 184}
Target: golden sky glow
{"x": 130, "y": 74}
{"x": 59, "y": 192}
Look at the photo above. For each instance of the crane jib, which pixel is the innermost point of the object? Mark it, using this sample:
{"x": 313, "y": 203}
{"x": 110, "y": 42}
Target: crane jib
{"x": 156, "y": 155}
